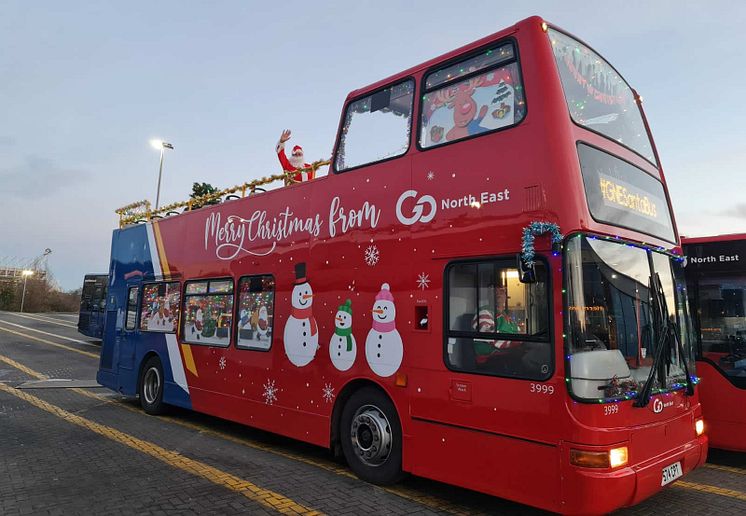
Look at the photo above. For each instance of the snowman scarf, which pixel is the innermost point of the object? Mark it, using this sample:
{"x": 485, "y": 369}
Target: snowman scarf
{"x": 306, "y": 313}
{"x": 345, "y": 332}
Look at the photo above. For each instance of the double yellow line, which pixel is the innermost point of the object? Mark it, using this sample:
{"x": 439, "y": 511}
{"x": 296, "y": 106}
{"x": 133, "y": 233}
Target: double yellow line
{"x": 430, "y": 501}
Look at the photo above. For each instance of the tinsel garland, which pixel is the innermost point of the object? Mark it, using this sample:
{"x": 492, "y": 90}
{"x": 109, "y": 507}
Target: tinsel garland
{"x": 530, "y": 233}
{"x": 127, "y": 216}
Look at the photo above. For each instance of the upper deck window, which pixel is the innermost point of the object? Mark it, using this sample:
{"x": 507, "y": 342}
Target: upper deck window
{"x": 474, "y": 96}
{"x": 597, "y": 96}
{"x": 376, "y": 127}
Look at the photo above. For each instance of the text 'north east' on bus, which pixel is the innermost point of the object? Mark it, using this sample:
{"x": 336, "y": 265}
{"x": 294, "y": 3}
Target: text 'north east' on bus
{"x": 716, "y": 277}
{"x": 396, "y": 311}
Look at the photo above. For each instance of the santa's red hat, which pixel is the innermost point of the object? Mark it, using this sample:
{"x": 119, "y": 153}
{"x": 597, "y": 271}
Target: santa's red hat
{"x": 297, "y": 148}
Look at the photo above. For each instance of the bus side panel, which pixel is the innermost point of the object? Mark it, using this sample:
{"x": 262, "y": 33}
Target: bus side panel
{"x": 493, "y": 464}
{"x": 725, "y": 426}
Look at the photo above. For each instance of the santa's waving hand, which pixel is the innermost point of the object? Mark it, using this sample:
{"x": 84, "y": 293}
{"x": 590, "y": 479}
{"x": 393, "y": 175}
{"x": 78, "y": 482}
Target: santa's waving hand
{"x": 296, "y": 160}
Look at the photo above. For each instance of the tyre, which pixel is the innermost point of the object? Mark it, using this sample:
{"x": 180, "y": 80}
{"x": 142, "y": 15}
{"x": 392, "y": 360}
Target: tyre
{"x": 151, "y": 387}
{"x": 371, "y": 437}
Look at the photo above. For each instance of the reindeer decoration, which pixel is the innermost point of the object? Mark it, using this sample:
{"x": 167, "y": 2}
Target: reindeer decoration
{"x": 458, "y": 98}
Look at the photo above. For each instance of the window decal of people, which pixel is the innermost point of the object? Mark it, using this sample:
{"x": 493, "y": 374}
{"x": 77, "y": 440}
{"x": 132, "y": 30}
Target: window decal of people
{"x": 342, "y": 346}
{"x": 295, "y": 162}
{"x": 256, "y": 302}
{"x": 384, "y": 348}
{"x": 301, "y": 336}
{"x": 160, "y": 307}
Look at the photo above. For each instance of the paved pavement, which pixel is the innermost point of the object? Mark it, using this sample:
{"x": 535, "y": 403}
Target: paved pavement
{"x": 67, "y": 447}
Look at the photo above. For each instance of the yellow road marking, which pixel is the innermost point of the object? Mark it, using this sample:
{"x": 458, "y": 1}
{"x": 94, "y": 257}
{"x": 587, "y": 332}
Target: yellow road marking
{"x": 729, "y": 469}
{"x": 265, "y": 497}
{"x": 22, "y": 367}
{"x": 730, "y": 493}
{"x": 433, "y": 502}
{"x": 49, "y": 342}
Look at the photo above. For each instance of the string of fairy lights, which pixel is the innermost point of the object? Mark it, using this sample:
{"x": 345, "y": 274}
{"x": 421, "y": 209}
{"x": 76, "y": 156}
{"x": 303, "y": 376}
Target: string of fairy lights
{"x": 140, "y": 211}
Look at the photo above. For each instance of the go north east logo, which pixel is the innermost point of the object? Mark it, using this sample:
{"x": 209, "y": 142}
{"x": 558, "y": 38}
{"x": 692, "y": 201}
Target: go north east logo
{"x": 425, "y": 207}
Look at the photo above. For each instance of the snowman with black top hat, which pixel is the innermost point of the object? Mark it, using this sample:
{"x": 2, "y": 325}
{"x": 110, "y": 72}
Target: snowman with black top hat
{"x": 301, "y": 335}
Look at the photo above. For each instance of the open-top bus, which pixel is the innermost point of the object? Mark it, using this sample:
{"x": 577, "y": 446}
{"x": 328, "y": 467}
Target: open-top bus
{"x": 93, "y": 305}
{"x": 418, "y": 308}
{"x": 716, "y": 277}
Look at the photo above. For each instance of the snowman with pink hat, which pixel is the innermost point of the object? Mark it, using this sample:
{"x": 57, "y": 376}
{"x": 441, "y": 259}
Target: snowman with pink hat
{"x": 384, "y": 348}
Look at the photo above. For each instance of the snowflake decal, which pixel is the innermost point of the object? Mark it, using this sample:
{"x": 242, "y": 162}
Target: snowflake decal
{"x": 221, "y": 363}
{"x": 430, "y": 175}
{"x": 372, "y": 255}
{"x": 423, "y": 281}
{"x": 270, "y": 392}
{"x": 328, "y": 393}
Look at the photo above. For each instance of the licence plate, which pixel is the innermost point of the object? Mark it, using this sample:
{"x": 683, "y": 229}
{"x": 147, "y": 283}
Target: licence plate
{"x": 671, "y": 473}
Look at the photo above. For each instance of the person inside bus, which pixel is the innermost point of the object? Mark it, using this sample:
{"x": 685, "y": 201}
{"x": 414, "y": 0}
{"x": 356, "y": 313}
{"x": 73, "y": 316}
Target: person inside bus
{"x": 294, "y": 163}
{"x": 493, "y": 320}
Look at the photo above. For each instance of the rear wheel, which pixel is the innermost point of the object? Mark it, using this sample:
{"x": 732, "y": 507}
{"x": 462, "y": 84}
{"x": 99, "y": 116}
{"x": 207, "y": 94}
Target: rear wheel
{"x": 151, "y": 387}
{"x": 372, "y": 437}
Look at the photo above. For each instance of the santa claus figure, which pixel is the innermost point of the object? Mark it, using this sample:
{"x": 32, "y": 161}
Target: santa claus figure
{"x": 295, "y": 162}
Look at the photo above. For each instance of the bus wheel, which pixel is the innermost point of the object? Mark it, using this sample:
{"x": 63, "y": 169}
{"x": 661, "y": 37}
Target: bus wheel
{"x": 371, "y": 437}
{"x": 151, "y": 387}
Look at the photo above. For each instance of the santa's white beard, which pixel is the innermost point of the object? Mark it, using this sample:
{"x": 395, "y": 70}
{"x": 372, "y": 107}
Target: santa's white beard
{"x": 297, "y": 161}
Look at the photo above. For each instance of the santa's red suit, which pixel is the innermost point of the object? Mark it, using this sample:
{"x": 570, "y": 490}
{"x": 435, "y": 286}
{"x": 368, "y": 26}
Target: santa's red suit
{"x": 289, "y": 167}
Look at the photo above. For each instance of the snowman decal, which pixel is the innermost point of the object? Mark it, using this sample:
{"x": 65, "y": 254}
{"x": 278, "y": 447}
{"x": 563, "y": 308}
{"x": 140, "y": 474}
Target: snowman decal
{"x": 301, "y": 332}
{"x": 384, "y": 349}
{"x": 342, "y": 346}
{"x": 262, "y": 323}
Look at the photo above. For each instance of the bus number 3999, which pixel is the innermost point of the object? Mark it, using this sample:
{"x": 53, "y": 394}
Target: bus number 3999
{"x": 541, "y": 388}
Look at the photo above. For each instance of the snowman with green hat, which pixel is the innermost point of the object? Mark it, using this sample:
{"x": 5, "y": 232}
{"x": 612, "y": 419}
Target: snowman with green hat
{"x": 342, "y": 347}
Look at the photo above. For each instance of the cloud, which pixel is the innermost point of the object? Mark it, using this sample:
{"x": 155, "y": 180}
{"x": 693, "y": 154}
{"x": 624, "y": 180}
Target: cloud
{"x": 7, "y": 141}
{"x": 737, "y": 210}
{"x": 38, "y": 177}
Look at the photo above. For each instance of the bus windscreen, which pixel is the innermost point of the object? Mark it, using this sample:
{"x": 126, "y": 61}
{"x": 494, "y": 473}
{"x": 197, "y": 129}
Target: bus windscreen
{"x": 623, "y": 195}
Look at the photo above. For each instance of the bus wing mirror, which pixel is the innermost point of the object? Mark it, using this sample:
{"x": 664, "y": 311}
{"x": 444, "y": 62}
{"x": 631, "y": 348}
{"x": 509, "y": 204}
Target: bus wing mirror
{"x": 526, "y": 272}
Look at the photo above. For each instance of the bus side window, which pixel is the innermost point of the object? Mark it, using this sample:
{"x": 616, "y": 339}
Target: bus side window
{"x": 160, "y": 307}
{"x": 477, "y": 95}
{"x": 131, "y": 321}
{"x": 208, "y": 312}
{"x": 256, "y": 301}
{"x": 376, "y": 127}
{"x": 497, "y": 325}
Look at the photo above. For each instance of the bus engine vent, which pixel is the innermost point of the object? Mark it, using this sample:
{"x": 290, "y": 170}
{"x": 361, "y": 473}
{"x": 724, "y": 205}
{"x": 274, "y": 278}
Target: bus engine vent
{"x": 534, "y": 198}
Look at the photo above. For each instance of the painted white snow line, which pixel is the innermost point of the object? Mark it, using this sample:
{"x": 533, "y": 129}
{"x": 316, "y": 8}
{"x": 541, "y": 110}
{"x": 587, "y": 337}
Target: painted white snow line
{"x": 50, "y": 334}
{"x": 45, "y": 319}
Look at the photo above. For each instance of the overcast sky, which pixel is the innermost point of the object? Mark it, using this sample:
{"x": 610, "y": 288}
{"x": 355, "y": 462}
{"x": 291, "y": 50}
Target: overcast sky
{"x": 84, "y": 86}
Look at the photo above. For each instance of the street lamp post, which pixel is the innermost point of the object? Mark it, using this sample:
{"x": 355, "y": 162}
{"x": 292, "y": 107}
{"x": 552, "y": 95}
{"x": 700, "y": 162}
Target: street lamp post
{"x": 25, "y": 275}
{"x": 162, "y": 146}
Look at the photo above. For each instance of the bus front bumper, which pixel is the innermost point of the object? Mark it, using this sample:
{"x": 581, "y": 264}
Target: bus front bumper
{"x": 589, "y": 491}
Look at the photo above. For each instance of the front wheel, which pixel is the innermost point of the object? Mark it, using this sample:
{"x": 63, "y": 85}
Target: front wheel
{"x": 151, "y": 387}
{"x": 372, "y": 437}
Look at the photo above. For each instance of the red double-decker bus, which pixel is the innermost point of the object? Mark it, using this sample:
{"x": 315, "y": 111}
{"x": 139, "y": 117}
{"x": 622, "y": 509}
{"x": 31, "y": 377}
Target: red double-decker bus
{"x": 484, "y": 290}
{"x": 716, "y": 277}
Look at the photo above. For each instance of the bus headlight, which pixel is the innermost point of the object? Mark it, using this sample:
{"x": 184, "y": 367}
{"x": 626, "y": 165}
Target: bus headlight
{"x": 699, "y": 426}
{"x": 613, "y": 458}
{"x": 618, "y": 457}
